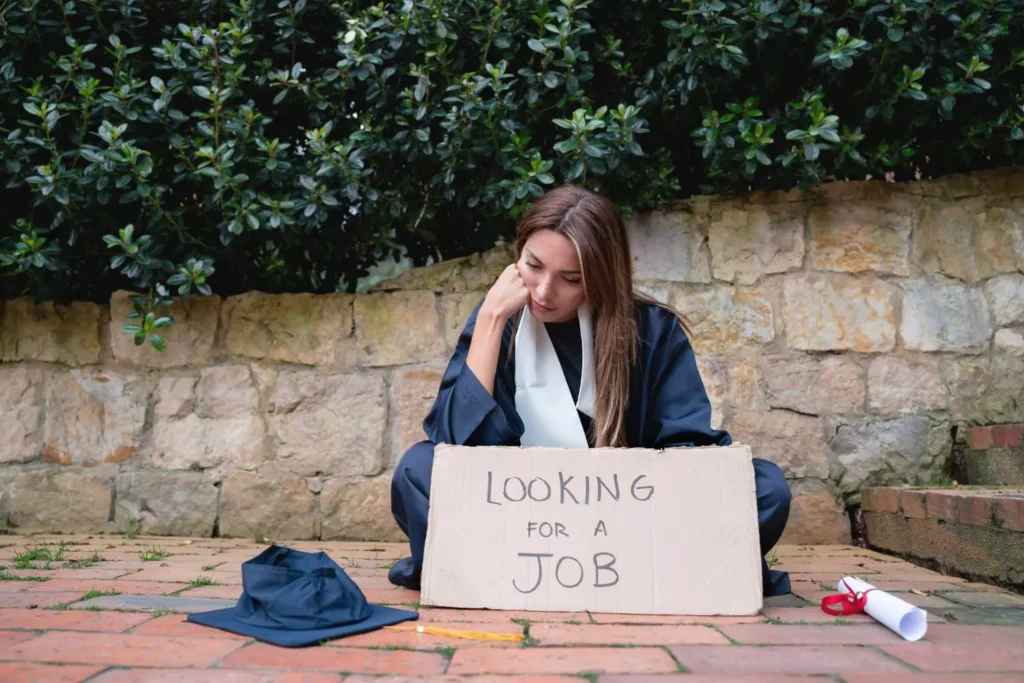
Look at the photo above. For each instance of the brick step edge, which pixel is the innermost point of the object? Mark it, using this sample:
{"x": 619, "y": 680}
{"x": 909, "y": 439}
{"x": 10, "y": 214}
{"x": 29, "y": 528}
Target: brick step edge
{"x": 995, "y": 436}
{"x": 976, "y": 507}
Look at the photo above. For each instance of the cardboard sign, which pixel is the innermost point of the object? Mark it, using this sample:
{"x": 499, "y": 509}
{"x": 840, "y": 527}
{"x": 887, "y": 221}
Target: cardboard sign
{"x": 627, "y": 531}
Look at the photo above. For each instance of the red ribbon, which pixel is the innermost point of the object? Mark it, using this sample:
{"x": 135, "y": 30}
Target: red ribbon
{"x": 849, "y": 603}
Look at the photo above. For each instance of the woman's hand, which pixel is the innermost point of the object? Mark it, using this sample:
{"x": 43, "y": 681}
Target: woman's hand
{"x": 506, "y": 296}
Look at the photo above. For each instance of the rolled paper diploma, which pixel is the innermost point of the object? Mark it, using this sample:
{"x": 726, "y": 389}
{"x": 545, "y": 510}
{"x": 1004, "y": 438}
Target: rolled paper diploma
{"x": 909, "y": 621}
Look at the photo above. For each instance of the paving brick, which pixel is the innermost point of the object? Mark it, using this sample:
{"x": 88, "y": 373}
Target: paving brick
{"x": 770, "y": 634}
{"x": 466, "y": 679}
{"x": 1009, "y": 636}
{"x": 154, "y": 602}
{"x": 974, "y": 510}
{"x": 83, "y": 586}
{"x": 354, "y": 660}
{"x": 1010, "y": 512}
{"x": 668, "y": 620}
{"x": 213, "y": 676}
{"x": 784, "y": 659}
{"x": 126, "y": 650}
{"x": 979, "y": 438}
{"x": 955, "y": 657}
{"x": 712, "y": 678}
{"x": 984, "y": 598}
{"x": 1006, "y": 436}
{"x": 929, "y": 601}
{"x": 218, "y": 592}
{"x": 933, "y": 678}
{"x": 70, "y": 620}
{"x": 478, "y": 616}
{"x": 809, "y": 615}
{"x": 403, "y": 636}
{"x": 187, "y": 575}
{"x": 11, "y": 599}
{"x": 912, "y": 504}
{"x": 25, "y": 672}
{"x": 942, "y": 505}
{"x": 564, "y": 634}
{"x": 177, "y": 626}
{"x": 11, "y": 638}
{"x": 556, "y": 660}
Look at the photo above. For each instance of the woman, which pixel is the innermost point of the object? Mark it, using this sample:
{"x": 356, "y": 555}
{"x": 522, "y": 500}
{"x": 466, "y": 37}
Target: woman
{"x": 562, "y": 333}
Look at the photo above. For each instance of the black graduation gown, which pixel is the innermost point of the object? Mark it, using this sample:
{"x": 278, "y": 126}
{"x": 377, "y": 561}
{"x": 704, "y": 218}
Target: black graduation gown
{"x": 667, "y": 406}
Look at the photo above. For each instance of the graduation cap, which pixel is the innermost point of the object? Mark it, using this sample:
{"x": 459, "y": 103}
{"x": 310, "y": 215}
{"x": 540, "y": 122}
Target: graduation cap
{"x": 293, "y": 598}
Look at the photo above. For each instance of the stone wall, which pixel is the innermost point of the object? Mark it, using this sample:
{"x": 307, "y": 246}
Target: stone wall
{"x": 850, "y": 334}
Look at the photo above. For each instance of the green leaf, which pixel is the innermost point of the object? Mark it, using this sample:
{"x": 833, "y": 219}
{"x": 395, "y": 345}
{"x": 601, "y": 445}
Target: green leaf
{"x": 536, "y": 45}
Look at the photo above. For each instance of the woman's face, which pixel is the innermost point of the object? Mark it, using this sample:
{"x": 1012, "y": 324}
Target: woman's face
{"x": 550, "y": 268}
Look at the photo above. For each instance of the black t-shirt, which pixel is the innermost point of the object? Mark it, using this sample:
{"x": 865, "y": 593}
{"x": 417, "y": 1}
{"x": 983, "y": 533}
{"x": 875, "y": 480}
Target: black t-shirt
{"x": 565, "y": 337}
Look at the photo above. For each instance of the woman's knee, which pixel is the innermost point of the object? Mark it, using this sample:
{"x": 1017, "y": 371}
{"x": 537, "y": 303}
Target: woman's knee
{"x": 415, "y": 466}
{"x": 773, "y": 492}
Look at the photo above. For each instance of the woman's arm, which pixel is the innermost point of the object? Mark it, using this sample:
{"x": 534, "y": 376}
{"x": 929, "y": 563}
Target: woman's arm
{"x": 508, "y": 295}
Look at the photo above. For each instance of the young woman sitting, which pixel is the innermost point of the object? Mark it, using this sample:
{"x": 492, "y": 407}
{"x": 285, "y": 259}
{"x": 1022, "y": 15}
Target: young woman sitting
{"x": 562, "y": 352}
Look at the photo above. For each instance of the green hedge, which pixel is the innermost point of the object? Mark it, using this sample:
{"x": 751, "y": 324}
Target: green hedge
{"x": 288, "y": 145}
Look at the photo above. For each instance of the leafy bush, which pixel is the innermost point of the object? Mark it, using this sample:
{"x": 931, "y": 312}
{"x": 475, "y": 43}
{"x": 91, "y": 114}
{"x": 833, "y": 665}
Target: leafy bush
{"x": 288, "y": 145}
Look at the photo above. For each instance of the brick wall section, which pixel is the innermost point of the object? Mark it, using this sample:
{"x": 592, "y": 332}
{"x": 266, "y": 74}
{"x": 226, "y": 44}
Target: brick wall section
{"x": 995, "y": 436}
{"x": 986, "y": 508}
{"x": 996, "y": 455}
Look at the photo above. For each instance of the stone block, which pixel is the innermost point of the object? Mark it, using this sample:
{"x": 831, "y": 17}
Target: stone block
{"x": 861, "y": 237}
{"x": 985, "y": 390}
{"x": 412, "y": 394}
{"x": 944, "y": 315}
{"x": 905, "y": 385}
{"x": 816, "y": 515}
{"x": 190, "y": 340}
{"x": 167, "y": 503}
{"x": 726, "y": 319}
{"x": 749, "y": 241}
{"x": 454, "y": 276}
{"x": 257, "y": 505}
{"x": 970, "y": 240}
{"x": 456, "y": 309}
{"x": 21, "y": 412}
{"x": 94, "y": 417}
{"x": 397, "y": 328}
{"x": 796, "y": 443}
{"x": 713, "y": 376}
{"x": 744, "y": 388}
{"x": 904, "y": 450}
{"x": 307, "y": 329}
{"x": 669, "y": 245}
{"x": 64, "y": 502}
{"x": 1009, "y": 342}
{"x": 814, "y": 386}
{"x": 831, "y": 312}
{"x": 208, "y": 422}
{"x": 56, "y": 333}
{"x": 332, "y": 425}
{"x": 359, "y": 509}
{"x": 1006, "y": 297}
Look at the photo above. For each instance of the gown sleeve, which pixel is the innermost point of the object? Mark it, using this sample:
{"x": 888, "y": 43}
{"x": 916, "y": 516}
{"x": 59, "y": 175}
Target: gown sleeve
{"x": 678, "y": 401}
{"x": 464, "y": 414}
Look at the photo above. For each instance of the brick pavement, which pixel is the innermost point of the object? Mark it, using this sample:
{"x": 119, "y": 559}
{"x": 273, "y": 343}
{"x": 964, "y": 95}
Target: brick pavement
{"x": 103, "y": 613}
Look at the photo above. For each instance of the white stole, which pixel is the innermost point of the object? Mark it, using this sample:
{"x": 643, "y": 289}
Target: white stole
{"x": 543, "y": 399}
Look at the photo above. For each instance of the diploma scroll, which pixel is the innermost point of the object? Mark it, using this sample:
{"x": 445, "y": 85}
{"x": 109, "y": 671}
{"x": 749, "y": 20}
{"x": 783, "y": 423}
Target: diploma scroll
{"x": 909, "y": 621}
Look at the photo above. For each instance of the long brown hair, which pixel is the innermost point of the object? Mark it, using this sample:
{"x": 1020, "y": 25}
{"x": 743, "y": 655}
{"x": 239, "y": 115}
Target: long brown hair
{"x": 595, "y": 227}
